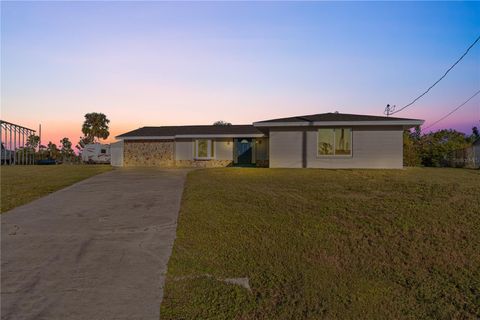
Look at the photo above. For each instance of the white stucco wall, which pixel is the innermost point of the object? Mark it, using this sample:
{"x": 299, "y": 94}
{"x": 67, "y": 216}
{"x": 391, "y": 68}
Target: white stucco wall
{"x": 116, "y": 154}
{"x": 372, "y": 147}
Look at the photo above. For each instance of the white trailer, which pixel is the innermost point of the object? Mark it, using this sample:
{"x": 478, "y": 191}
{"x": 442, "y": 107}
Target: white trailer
{"x": 96, "y": 153}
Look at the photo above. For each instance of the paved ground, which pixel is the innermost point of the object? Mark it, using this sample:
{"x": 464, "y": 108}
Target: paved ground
{"x": 95, "y": 250}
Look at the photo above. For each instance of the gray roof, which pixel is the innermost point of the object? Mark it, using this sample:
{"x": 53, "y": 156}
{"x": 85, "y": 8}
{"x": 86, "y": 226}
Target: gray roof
{"x": 331, "y": 116}
{"x": 247, "y": 129}
{"x": 191, "y": 130}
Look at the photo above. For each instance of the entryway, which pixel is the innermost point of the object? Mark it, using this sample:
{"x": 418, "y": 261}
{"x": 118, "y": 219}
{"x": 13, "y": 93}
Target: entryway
{"x": 244, "y": 151}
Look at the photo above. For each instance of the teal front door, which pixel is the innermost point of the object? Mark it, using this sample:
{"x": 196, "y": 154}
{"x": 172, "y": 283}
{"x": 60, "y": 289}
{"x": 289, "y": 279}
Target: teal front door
{"x": 244, "y": 151}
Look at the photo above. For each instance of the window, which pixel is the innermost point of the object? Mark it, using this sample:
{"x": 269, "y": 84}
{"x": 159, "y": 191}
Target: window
{"x": 334, "y": 142}
{"x": 343, "y": 141}
{"x": 103, "y": 151}
{"x": 204, "y": 149}
{"x": 326, "y": 141}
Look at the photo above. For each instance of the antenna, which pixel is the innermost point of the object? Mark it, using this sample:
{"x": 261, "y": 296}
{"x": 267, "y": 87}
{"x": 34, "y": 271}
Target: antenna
{"x": 389, "y": 110}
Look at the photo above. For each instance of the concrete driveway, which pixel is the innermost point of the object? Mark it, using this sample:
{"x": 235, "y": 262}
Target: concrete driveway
{"x": 96, "y": 250}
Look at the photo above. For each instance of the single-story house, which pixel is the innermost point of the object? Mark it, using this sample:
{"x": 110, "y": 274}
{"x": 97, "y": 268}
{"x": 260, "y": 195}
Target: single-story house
{"x": 327, "y": 140}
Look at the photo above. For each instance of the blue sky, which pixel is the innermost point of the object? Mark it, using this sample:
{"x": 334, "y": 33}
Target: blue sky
{"x": 158, "y": 63}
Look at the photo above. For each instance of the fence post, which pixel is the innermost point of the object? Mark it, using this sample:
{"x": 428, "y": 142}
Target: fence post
{"x": 1, "y": 141}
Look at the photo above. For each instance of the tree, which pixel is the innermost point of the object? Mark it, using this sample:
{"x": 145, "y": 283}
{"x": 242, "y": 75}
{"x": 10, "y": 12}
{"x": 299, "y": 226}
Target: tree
{"x": 83, "y": 142}
{"x": 475, "y": 135}
{"x": 42, "y": 149}
{"x": 221, "y": 123}
{"x": 437, "y": 146}
{"x": 411, "y": 152}
{"x": 433, "y": 149}
{"x": 416, "y": 134}
{"x": 66, "y": 151}
{"x": 95, "y": 126}
{"x": 33, "y": 141}
{"x": 52, "y": 150}
{"x": 412, "y": 146}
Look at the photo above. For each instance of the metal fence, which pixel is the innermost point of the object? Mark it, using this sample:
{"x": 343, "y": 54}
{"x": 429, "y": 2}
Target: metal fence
{"x": 14, "y": 149}
{"x": 465, "y": 158}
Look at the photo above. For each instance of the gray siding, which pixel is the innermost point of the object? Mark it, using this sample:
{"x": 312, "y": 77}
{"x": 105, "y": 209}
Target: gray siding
{"x": 285, "y": 148}
{"x": 224, "y": 149}
{"x": 372, "y": 147}
{"x": 261, "y": 149}
{"x": 183, "y": 149}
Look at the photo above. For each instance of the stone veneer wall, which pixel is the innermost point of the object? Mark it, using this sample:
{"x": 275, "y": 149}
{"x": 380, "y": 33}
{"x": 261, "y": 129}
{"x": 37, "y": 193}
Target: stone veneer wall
{"x": 149, "y": 153}
{"x": 203, "y": 163}
{"x": 161, "y": 153}
{"x": 262, "y": 163}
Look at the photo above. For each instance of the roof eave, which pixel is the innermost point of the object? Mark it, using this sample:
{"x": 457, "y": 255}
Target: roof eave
{"x": 239, "y": 135}
{"x": 405, "y": 123}
{"x": 198, "y": 136}
{"x": 121, "y": 137}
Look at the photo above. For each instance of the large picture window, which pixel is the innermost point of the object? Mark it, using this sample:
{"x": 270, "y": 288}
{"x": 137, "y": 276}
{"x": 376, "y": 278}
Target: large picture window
{"x": 204, "y": 149}
{"x": 334, "y": 142}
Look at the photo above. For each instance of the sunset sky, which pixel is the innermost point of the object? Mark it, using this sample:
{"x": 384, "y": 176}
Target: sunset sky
{"x": 160, "y": 63}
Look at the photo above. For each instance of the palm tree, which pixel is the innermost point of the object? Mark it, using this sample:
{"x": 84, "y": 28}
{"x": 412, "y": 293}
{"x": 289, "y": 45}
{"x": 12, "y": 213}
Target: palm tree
{"x": 52, "y": 150}
{"x": 66, "y": 149}
{"x": 83, "y": 142}
{"x": 33, "y": 141}
{"x": 95, "y": 126}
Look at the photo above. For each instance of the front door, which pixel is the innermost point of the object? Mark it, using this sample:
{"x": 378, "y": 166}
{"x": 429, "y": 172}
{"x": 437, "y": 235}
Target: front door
{"x": 244, "y": 151}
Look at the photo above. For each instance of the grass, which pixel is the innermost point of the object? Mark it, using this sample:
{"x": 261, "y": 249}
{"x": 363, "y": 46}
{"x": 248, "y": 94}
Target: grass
{"x": 335, "y": 244}
{"x": 22, "y": 184}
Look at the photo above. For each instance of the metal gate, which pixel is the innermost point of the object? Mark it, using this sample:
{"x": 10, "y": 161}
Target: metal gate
{"x": 14, "y": 149}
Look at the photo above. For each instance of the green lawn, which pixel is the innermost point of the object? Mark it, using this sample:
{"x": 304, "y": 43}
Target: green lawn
{"x": 22, "y": 184}
{"x": 336, "y": 244}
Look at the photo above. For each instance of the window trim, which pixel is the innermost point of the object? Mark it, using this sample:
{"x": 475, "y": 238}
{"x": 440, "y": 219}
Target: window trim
{"x": 210, "y": 149}
{"x": 328, "y": 156}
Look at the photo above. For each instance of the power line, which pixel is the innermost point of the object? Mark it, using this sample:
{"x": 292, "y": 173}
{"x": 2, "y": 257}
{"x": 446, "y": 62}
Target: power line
{"x": 391, "y": 110}
{"x": 451, "y": 112}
